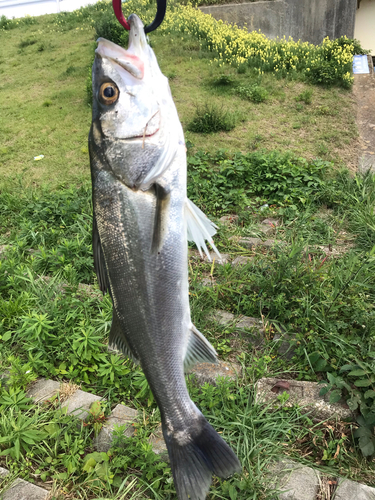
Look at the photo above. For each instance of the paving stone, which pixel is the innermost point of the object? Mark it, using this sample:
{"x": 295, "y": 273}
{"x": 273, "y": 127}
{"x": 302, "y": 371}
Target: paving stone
{"x": 295, "y": 481}
{"x": 121, "y": 415}
{"x": 285, "y": 348}
{"x": 3, "y": 249}
{"x": 4, "y": 378}
{"x": 271, "y": 222}
{"x": 266, "y": 230}
{"x": 90, "y": 291}
{"x": 222, "y": 317}
{"x": 250, "y": 242}
{"x": 79, "y": 404}
{"x": 241, "y": 323}
{"x": 305, "y": 394}
{"x": 224, "y": 258}
{"x": 158, "y": 444}
{"x": 349, "y": 490}
{"x": 43, "y": 389}
{"x": 22, "y": 490}
{"x": 3, "y": 472}
{"x": 228, "y": 219}
{"x": 270, "y": 243}
{"x": 194, "y": 254}
{"x": 209, "y": 372}
{"x": 241, "y": 260}
{"x": 249, "y": 323}
{"x": 207, "y": 282}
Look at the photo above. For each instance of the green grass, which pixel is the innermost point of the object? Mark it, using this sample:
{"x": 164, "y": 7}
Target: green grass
{"x": 51, "y": 326}
{"x": 54, "y": 70}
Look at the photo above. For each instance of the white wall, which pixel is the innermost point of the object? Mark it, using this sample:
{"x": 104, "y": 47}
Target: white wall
{"x": 364, "y": 29}
{"x": 21, "y": 8}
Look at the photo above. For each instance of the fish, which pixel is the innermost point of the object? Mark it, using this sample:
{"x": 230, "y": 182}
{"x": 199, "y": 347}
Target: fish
{"x": 142, "y": 220}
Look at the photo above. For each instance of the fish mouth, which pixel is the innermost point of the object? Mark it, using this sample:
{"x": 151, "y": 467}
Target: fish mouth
{"x": 151, "y": 128}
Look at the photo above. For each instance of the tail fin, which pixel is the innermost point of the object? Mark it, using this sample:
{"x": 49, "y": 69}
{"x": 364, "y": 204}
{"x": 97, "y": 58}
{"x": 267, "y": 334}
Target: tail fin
{"x": 196, "y": 453}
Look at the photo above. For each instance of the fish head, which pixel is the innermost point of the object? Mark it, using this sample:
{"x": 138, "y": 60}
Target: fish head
{"x": 132, "y": 105}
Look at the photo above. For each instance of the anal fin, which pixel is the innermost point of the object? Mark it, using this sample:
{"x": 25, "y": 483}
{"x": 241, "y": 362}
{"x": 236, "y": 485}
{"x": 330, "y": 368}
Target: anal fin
{"x": 117, "y": 340}
{"x": 199, "y": 350}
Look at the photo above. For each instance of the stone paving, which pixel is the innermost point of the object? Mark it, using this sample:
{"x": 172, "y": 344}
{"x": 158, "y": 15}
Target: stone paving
{"x": 21, "y": 490}
{"x": 305, "y": 394}
{"x": 295, "y": 481}
{"x": 121, "y": 416}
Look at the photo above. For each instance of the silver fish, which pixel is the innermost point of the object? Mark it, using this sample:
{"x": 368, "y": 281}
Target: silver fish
{"x": 142, "y": 220}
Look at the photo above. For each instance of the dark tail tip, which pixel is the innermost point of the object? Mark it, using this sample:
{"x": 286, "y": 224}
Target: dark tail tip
{"x": 196, "y": 453}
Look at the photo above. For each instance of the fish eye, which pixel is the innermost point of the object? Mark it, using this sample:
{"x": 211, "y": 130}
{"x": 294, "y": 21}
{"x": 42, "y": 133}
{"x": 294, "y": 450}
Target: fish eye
{"x": 108, "y": 93}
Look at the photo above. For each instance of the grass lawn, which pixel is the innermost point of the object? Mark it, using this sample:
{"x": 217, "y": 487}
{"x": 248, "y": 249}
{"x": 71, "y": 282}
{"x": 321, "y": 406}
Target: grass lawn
{"x": 325, "y": 304}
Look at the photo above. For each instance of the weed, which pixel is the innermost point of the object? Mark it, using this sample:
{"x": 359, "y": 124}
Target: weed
{"x": 223, "y": 182}
{"x": 212, "y": 118}
{"x": 224, "y": 80}
{"x": 241, "y": 69}
{"x": 305, "y": 96}
{"x": 107, "y": 26}
{"x": 26, "y": 43}
{"x": 47, "y": 103}
{"x": 171, "y": 75}
{"x": 254, "y": 93}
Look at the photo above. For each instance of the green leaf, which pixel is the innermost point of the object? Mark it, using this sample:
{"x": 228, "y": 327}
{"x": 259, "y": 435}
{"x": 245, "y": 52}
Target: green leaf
{"x": 321, "y": 365}
{"x": 363, "y": 432}
{"x": 17, "y": 447}
{"x": 323, "y": 391}
{"x": 232, "y": 492}
{"x": 102, "y": 471}
{"x": 52, "y": 429}
{"x": 6, "y": 336}
{"x": 346, "y": 368}
{"x": 367, "y": 446}
{"x": 335, "y": 396}
{"x": 362, "y": 383}
{"x": 357, "y": 373}
{"x": 370, "y": 394}
{"x": 353, "y": 402}
{"x": 97, "y": 456}
{"x": 89, "y": 465}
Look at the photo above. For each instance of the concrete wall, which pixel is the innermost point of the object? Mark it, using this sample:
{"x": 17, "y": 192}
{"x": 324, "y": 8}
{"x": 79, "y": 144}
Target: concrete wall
{"x": 306, "y": 20}
{"x": 365, "y": 25}
{"x": 21, "y": 8}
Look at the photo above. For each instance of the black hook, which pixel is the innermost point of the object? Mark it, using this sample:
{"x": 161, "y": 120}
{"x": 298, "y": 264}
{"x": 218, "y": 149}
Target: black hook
{"x": 160, "y": 14}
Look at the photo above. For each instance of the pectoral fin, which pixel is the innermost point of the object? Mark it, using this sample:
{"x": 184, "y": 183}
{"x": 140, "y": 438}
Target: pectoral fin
{"x": 200, "y": 228}
{"x": 99, "y": 262}
{"x": 199, "y": 350}
{"x": 161, "y": 213}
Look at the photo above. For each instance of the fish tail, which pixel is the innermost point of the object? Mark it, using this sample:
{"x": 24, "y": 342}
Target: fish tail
{"x": 196, "y": 453}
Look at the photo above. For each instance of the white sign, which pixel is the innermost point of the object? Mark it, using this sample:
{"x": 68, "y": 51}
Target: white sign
{"x": 360, "y": 65}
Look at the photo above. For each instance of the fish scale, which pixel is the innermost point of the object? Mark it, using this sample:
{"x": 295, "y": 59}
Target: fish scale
{"x": 142, "y": 219}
